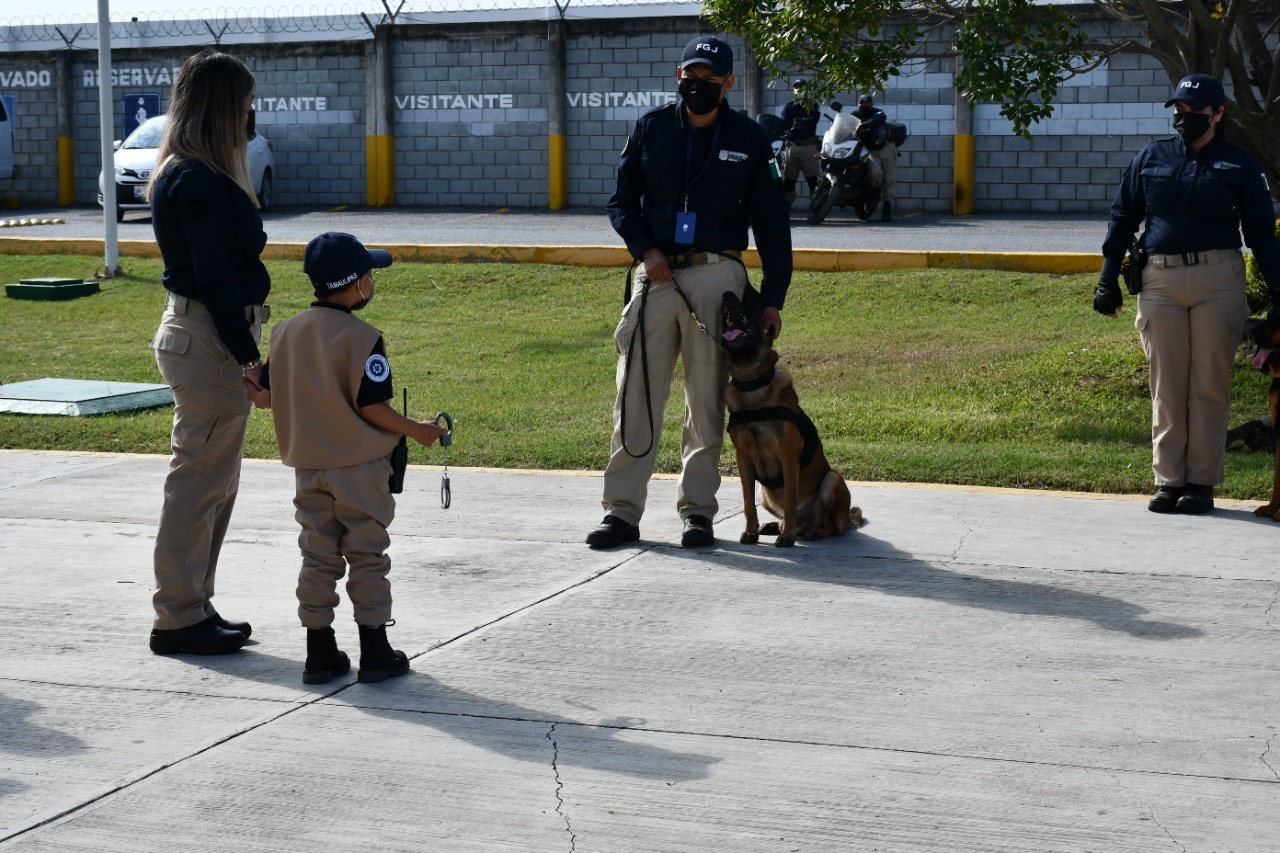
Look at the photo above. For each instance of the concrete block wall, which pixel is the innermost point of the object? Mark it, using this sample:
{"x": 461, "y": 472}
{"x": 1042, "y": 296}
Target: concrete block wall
{"x": 470, "y": 117}
{"x": 35, "y": 150}
{"x": 310, "y": 105}
{"x": 614, "y": 78}
{"x": 469, "y": 109}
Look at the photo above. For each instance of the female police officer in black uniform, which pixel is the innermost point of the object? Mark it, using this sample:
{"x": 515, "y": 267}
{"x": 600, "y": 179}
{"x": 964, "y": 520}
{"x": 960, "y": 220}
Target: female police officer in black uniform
{"x": 1196, "y": 192}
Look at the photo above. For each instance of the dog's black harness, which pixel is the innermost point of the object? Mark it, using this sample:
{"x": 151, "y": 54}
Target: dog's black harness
{"x": 808, "y": 432}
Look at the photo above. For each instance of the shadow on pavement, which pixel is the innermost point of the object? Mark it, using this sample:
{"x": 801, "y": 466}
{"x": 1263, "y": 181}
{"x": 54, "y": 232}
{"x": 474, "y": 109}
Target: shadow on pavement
{"x": 608, "y": 751}
{"x": 24, "y": 737}
{"x": 870, "y": 563}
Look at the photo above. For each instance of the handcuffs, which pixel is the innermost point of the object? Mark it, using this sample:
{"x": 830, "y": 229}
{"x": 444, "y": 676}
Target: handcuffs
{"x": 446, "y": 496}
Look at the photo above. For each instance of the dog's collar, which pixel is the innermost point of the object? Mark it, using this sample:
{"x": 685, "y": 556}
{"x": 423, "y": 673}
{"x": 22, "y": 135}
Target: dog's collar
{"x": 755, "y": 384}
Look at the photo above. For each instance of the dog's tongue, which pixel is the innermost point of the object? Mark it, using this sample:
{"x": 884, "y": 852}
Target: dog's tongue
{"x": 733, "y": 334}
{"x": 1260, "y": 360}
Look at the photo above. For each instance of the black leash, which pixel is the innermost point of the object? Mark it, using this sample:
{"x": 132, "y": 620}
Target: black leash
{"x": 644, "y": 346}
{"x": 644, "y": 364}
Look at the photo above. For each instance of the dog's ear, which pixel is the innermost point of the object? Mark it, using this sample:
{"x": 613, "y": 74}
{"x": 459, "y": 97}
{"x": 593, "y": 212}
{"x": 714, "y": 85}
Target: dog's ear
{"x": 751, "y": 299}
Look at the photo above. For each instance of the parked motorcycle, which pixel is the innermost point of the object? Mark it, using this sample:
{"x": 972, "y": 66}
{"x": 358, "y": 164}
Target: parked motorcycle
{"x": 847, "y": 173}
{"x": 772, "y": 125}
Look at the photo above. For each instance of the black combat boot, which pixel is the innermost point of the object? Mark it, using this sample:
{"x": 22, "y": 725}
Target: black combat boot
{"x": 1196, "y": 500}
{"x": 886, "y": 215}
{"x": 324, "y": 659}
{"x": 202, "y": 638}
{"x": 378, "y": 661}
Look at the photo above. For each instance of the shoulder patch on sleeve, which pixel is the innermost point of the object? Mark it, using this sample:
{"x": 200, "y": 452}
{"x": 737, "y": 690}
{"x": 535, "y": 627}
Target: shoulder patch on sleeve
{"x": 377, "y": 369}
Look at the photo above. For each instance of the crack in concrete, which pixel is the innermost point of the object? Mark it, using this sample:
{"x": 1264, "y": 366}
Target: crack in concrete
{"x": 1270, "y": 745}
{"x": 295, "y": 705}
{"x": 955, "y": 555}
{"x": 1271, "y": 619}
{"x": 826, "y": 744}
{"x": 555, "y": 768}
{"x": 1151, "y": 812}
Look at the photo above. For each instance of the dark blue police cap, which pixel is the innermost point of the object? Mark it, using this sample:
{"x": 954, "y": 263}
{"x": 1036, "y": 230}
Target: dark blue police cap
{"x": 711, "y": 51}
{"x": 1198, "y": 91}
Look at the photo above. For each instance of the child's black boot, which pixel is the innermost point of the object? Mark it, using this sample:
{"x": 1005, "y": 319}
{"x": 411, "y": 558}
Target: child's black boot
{"x": 324, "y": 659}
{"x": 378, "y": 661}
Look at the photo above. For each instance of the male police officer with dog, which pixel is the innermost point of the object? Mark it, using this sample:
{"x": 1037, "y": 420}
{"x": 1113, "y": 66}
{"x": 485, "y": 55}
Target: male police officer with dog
{"x": 694, "y": 175}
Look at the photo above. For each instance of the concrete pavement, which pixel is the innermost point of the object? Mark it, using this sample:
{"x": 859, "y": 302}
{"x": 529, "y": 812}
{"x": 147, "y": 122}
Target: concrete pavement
{"x": 975, "y": 670}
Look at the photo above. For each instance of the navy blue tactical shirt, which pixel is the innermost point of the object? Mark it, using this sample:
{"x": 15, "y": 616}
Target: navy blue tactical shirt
{"x": 731, "y": 188}
{"x": 210, "y": 236}
{"x": 1194, "y": 202}
{"x": 803, "y": 123}
{"x": 870, "y": 117}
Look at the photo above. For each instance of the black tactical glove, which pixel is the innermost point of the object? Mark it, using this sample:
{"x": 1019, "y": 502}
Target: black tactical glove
{"x": 1106, "y": 297}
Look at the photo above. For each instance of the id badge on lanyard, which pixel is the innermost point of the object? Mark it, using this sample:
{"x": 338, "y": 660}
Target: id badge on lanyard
{"x": 687, "y": 220}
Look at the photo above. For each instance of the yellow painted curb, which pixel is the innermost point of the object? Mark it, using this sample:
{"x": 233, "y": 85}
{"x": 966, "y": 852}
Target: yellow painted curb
{"x": 809, "y": 260}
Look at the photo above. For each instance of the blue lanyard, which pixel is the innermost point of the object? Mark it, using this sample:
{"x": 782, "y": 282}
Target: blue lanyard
{"x": 688, "y": 156}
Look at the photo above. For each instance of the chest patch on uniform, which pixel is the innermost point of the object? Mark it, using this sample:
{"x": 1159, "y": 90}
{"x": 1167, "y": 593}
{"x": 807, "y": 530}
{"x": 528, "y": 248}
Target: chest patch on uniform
{"x": 732, "y": 156}
{"x": 1223, "y": 164}
{"x": 376, "y": 368}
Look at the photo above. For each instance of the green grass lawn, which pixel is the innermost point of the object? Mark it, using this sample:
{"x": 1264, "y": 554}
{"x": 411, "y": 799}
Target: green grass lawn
{"x": 973, "y": 377}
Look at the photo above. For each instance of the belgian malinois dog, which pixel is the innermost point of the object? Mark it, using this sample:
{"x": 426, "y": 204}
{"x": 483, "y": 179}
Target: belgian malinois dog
{"x": 1265, "y": 335}
{"x": 776, "y": 443}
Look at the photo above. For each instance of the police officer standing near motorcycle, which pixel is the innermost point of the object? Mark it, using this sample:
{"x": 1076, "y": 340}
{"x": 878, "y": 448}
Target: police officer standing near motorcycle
{"x": 874, "y": 134}
{"x": 693, "y": 176}
{"x": 800, "y": 128}
{"x": 1197, "y": 192}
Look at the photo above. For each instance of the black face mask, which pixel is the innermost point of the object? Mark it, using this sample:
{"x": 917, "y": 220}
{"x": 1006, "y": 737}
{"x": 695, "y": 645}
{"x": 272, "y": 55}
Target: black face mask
{"x": 700, "y": 96}
{"x": 1191, "y": 126}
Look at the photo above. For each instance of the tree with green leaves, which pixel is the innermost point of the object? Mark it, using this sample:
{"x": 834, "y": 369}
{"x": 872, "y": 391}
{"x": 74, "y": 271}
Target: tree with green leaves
{"x": 1017, "y": 53}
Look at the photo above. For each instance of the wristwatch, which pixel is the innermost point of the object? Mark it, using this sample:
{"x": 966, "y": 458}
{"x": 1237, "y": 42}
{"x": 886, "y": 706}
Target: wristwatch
{"x": 250, "y": 365}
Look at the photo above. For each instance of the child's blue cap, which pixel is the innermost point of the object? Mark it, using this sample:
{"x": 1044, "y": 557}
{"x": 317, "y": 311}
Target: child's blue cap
{"x": 334, "y": 259}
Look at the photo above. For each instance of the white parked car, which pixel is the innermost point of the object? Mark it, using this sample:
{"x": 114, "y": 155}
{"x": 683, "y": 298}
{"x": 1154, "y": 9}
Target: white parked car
{"x": 136, "y": 157}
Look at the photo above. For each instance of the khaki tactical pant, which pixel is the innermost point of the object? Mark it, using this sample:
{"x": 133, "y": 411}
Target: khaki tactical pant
{"x": 884, "y": 168}
{"x": 210, "y": 412}
{"x": 670, "y": 333}
{"x": 799, "y": 160}
{"x": 344, "y": 514}
{"x": 1190, "y": 318}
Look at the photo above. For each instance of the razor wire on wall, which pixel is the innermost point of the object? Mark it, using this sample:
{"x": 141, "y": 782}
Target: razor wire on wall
{"x": 296, "y": 23}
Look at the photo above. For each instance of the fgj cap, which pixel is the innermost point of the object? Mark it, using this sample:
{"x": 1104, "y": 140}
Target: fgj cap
{"x": 866, "y": 99}
{"x": 333, "y": 260}
{"x": 1198, "y": 91}
{"x": 799, "y": 84}
{"x": 711, "y": 51}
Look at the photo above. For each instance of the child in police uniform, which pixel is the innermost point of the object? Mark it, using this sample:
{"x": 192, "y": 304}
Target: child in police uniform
{"x": 329, "y": 383}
